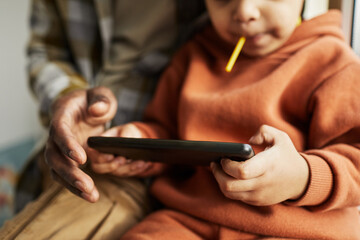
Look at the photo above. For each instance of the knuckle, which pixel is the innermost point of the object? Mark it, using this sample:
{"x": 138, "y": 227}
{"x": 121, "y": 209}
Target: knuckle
{"x": 264, "y": 128}
{"x": 258, "y": 198}
{"x": 243, "y": 173}
{"x": 114, "y": 165}
{"x": 228, "y": 187}
{"x": 228, "y": 195}
{"x": 248, "y": 199}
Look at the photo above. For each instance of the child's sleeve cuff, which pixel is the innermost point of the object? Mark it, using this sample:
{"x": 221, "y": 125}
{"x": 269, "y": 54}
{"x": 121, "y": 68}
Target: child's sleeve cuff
{"x": 320, "y": 183}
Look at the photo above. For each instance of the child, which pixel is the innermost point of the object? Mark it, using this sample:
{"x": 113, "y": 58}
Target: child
{"x": 294, "y": 92}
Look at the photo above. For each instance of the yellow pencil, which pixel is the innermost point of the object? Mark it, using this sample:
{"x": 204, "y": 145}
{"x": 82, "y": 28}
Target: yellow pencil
{"x": 235, "y": 54}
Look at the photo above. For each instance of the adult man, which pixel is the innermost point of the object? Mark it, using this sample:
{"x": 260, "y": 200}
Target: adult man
{"x": 77, "y": 45}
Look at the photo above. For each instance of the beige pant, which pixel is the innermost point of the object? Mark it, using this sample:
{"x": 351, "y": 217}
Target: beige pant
{"x": 59, "y": 214}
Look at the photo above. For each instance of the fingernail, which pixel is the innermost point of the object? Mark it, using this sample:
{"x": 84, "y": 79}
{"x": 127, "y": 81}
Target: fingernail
{"x": 74, "y": 155}
{"x": 108, "y": 158}
{"x": 138, "y": 165}
{"x": 141, "y": 164}
{"x": 120, "y": 161}
{"x": 92, "y": 197}
{"x": 99, "y": 99}
{"x": 81, "y": 186}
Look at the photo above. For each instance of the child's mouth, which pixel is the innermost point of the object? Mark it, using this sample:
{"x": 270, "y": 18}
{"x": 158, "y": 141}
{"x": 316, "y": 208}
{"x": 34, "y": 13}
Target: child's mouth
{"x": 255, "y": 39}
{"x": 251, "y": 39}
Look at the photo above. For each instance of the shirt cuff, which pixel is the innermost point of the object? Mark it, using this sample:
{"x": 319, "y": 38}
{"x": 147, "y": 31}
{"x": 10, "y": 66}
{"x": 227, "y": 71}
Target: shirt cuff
{"x": 320, "y": 182}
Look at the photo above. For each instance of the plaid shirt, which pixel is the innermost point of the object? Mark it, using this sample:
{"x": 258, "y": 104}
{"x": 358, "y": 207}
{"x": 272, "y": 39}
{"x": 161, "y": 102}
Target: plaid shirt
{"x": 115, "y": 43}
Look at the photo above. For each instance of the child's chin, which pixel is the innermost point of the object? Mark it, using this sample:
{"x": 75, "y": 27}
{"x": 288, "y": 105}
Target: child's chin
{"x": 251, "y": 52}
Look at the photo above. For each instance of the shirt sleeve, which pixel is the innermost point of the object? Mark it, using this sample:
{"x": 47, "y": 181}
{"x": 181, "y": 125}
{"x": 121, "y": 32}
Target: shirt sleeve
{"x": 50, "y": 68}
{"x": 334, "y": 140}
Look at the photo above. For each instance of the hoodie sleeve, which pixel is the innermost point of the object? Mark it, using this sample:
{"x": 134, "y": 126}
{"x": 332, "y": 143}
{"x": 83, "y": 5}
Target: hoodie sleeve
{"x": 334, "y": 141}
{"x": 51, "y": 70}
{"x": 161, "y": 115}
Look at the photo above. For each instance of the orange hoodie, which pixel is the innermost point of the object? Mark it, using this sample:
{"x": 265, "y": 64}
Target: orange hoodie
{"x": 309, "y": 88}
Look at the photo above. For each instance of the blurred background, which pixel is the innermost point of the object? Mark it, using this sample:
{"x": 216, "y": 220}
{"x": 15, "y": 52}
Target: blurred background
{"x": 19, "y": 123}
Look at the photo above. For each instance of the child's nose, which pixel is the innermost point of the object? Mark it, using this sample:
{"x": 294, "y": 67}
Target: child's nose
{"x": 246, "y": 11}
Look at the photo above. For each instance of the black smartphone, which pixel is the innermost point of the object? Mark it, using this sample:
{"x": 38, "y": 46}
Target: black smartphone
{"x": 172, "y": 151}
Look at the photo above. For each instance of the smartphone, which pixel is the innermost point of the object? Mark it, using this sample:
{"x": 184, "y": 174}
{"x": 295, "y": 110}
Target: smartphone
{"x": 172, "y": 151}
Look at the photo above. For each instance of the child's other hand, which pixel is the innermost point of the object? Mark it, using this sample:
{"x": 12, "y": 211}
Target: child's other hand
{"x": 118, "y": 166}
{"x": 277, "y": 174}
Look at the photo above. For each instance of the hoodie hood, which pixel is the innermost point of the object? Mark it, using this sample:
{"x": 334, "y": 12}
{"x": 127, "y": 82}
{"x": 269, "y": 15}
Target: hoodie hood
{"x": 328, "y": 24}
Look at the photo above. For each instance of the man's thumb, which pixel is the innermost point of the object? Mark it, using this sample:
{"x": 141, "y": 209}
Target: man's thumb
{"x": 101, "y": 103}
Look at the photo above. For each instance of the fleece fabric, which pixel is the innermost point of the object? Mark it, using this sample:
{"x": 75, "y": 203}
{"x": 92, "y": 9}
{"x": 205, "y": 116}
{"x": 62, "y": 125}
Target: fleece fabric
{"x": 309, "y": 88}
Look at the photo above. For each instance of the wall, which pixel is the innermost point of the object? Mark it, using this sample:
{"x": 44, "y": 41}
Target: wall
{"x": 315, "y": 7}
{"x": 18, "y": 112}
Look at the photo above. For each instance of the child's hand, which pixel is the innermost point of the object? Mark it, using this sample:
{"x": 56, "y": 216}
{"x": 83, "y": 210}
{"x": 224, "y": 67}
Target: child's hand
{"x": 277, "y": 174}
{"x": 118, "y": 166}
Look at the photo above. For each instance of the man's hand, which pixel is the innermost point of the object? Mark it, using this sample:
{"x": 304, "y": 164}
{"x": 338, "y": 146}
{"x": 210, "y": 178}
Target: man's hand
{"x": 77, "y": 116}
{"x": 118, "y": 166}
{"x": 277, "y": 174}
